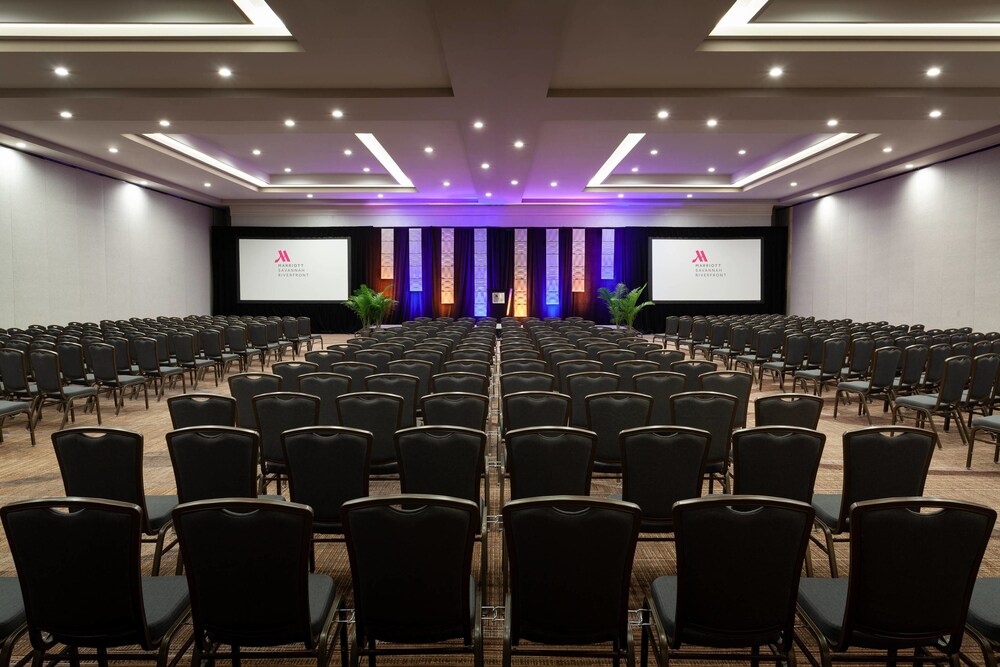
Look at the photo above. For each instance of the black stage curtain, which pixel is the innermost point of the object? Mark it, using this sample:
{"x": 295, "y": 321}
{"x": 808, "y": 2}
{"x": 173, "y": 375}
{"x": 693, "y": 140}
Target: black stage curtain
{"x": 326, "y": 317}
{"x": 500, "y": 262}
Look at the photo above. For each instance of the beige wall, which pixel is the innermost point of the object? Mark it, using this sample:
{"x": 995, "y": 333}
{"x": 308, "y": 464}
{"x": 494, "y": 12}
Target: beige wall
{"x": 77, "y": 246}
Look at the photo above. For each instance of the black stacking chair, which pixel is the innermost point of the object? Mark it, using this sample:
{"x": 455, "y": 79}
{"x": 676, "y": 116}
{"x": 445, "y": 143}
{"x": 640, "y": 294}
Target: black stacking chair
{"x": 107, "y": 463}
{"x": 662, "y": 465}
{"x": 608, "y": 414}
{"x": 327, "y": 466}
{"x": 435, "y": 357}
{"x": 103, "y": 357}
{"x": 244, "y": 387}
{"x": 879, "y": 463}
{"x": 889, "y": 603}
{"x": 945, "y": 403}
{"x": 582, "y": 385}
{"x": 518, "y": 381}
{"x": 549, "y": 460}
{"x": 664, "y": 358}
{"x": 713, "y": 412}
{"x": 423, "y": 370}
{"x": 518, "y": 365}
{"x": 802, "y": 410}
{"x": 149, "y": 366}
{"x": 609, "y": 358}
{"x": 398, "y": 384}
{"x": 467, "y": 366}
{"x": 982, "y": 387}
{"x": 274, "y": 414}
{"x": 456, "y": 409}
{"x": 627, "y": 370}
{"x": 796, "y": 347}
{"x": 14, "y": 408}
{"x": 459, "y": 381}
{"x": 566, "y": 368}
{"x": 764, "y": 344}
{"x": 378, "y": 358}
{"x": 382, "y": 416}
{"x": 778, "y": 461}
{"x": 520, "y": 354}
{"x": 570, "y": 569}
{"x": 72, "y": 363}
{"x": 735, "y": 345}
{"x": 186, "y": 349}
{"x": 79, "y": 569}
{"x": 51, "y": 390}
{"x": 692, "y": 370}
{"x": 291, "y": 371}
{"x": 236, "y": 549}
{"x": 717, "y": 601}
{"x": 468, "y": 353}
{"x": 983, "y": 621}
{"x": 327, "y": 387}
{"x": 392, "y": 538}
{"x": 346, "y": 349}
{"x": 305, "y": 329}
{"x": 214, "y": 462}
{"x": 830, "y": 366}
{"x": 239, "y": 344}
{"x": 324, "y": 359}
{"x": 12, "y": 618}
{"x": 356, "y": 370}
{"x": 734, "y": 383}
{"x": 212, "y": 342}
{"x": 527, "y": 409}
{"x": 448, "y": 461}
{"x": 660, "y": 386}
{"x": 885, "y": 361}
{"x": 202, "y": 410}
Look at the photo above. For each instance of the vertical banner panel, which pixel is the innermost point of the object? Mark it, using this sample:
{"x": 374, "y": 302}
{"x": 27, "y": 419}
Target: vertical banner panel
{"x": 520, "y": 273}
{"x": 387, "y": 252}
{"x": 448, "y": 266}
{"x": 416, "y": 259}
{"x": 607, "y": 254}
{"x": 552, "y": 267}
{"x": 481, "y": 277}
{"x": 579, "y": 268}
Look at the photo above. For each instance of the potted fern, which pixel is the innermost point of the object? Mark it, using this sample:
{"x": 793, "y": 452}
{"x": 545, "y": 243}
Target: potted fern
{"x": 370, "y": 306}
{"x": 623, "y": 304}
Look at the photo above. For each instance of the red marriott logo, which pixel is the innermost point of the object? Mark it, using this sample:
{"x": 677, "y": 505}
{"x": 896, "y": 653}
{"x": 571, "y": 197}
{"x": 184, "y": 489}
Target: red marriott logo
{"x": 282, "y": 256}
{"x": 699, "y": 256}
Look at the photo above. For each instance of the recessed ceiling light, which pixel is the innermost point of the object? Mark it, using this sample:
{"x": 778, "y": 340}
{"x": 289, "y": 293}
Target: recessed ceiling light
{"x": 514, "y": 182}
{"x": 909, "y": 166}
{"x": 446, "y": 184}
{"x": 553, "y": 184}
{"x": 775, "y": 72}
{"x": 689, "y": 196}
{"x": 288, "y": 170}
{"x": 337, "y": 113}
{"x": 489, "y": 194}
{"x": 635, "y": 169}
{"x": 794, "y": 184}
{"x": 833, "y": 122}
{"x": 65, "y": 114}
{"x": 479, "y": 125}
{"x": 428, "y": 149}
{"x": 256, "y": 151}
{"x": 348, "y": 151}
{"x": 621, "y": 196}
{"x": 366, "y": 169}
{"x": 208, "y": 185}
{"x": 654, "y": 152}
{"x": 112, "y": 150}
{"x": 662, "y": 114}
{"x": 887, "y": 149}
{"x": 143, "y": 182}
{"x": 742, "y": 151}
{"x": 289, "y": 122}
{"x": 936, "y": 113}
{"x": 20, "y": 144}
{"x": 225, "y": 72}
{"x": 934, "y": 71}
{"x": 485, "y": 165}
{"x": 309, "y": 196}
{"x": 164, "y": 123}
{"x": 61, "y": 71}
{"x": 711, "y": 122}
{"x": 380, "y": 195}
{"x": 518, "y": 144}
{"x": 711, "y": 170}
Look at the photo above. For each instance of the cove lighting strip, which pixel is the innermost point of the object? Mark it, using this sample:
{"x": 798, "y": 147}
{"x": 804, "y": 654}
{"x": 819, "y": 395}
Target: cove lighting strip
{"x": 738, "y": 22}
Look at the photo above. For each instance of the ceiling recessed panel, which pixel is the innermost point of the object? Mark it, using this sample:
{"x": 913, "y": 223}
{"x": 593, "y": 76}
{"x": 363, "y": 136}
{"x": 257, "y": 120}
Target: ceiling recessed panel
{"x": 878, "y": 11}
{"x": 120, "y": 11}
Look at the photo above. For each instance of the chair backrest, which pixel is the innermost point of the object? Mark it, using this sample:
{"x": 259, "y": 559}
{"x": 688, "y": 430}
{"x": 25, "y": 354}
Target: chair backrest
{"x": 609, "y": 358}
{"x": 516, "y": 365}
{"x": 278, "y": 412}
{"x": 103, "y": 361}
{"x": 434, "y": 356}
{"x": 735, "y": 383}
{"x": 550, "y": 460}
{"x": 526, "y": 409}
{"x": 90, "y": 548}
{"x": 801, "y": 410}
{"x": 184, "y": 348}
{"x": 346, "y": 349}
{"x": 467, "y": 366}
{"x": 291, "y": 371}
{"x": 566, "y": 368}
{"x": 324, "y": 359}
{"x": 692, "y": 370}
{"x": 937, "y": 354}
{"x": 441, "y": 460}
{"x": 356, "y": 370}
{"x": 660, "y": 466}
{"x": 660, "y": 385}
{"x": 582, "y": 385}
{"x": 214, "y": 462}
{"x": 421, "y": 368}
{"x": 834, "y": 355}
{"x": 570, "y": 569}
{"x": 201, "y": 410}
{"x": 327, "y": 386}
{"x": 912, "y": 364}
{"x": 709, "y": 411}
{"x": 609, "y": 413}
{"x": 779, "y": 461}
{"x": 101, "y": 463}
{"x": 883, "y": 462}
{"x": 944, "y": 542}
{"x": 72, "y": 362}
{"x": 470, "y": 383}
{"x": 378, "y": 358}
{"x": 796, "y": 348}
{"x": 456, "y": 409}
{"x": 244, "y": 386}
{"x": 379, "y": 414}
{"x": 389, "y": 539}
{"x": 861, "y": 355}
{"x": 884, "y": 363}
{"x": 226, "y": 544}
{"x": 982, "y": 384}
{"x": 627, "y": 370}
{"x": 327, "y": 466}
{"x": 48, "y": 377}
{"x": 521, "y": 354}
{"x": 400, "y": 384}
{"x": 955, "y": 378}
{"x": 518, "y": 381}
{"x": 741, "y": 601}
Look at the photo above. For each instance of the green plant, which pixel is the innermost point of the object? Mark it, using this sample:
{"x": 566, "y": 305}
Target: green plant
{"x": 370, "y": 306}
{"x": 623, "y": 303}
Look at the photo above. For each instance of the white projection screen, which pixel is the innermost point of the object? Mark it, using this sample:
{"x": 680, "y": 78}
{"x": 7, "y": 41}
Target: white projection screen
{"x": 295, "y": 269}
{"x": 705, "y": 270}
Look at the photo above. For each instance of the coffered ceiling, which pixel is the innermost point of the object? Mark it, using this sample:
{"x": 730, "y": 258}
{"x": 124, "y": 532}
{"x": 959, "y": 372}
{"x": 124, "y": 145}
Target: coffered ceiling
{"x": 312, "y": 102}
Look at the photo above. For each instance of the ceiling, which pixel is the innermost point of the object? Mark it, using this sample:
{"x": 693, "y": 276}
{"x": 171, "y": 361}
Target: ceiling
{"x": 578, "y": 100}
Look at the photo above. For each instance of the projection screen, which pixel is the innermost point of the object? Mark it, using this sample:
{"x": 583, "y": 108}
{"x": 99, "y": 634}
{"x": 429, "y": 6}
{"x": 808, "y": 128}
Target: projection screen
{"x": 294, "y": 269}
{"x": 705, "y": 270}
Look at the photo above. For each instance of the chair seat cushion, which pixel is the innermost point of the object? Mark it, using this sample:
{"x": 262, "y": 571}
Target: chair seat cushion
{"x": 322, "y": 593}
{"x": 774, "y": 366}
{"x": 984, "y": 608}
{"x": 165, "y": 599}
{"x": 824, "y": 601}
{"x": 126, "y": 380}
{"x": 992, "y": 422}
{"x": 607, "y": 467}
{"x": 921, "y": 401}
{"x": 747, "y": 358}
{"x": 11, "y": 606}
{"x": 170, "y": 370}
{"x": 827, "y": 506}
{"x": 74, "y": 390}
{"x": 808, "y": 374}
{"x": 13, "y": 407}
{"x": 858, "y": 386}
{"x": 159, "y": 509}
